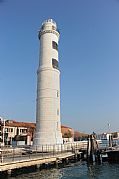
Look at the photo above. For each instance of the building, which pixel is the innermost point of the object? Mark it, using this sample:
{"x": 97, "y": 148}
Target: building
{"x": 80, "y": 136}
{"x": 105, "y": 136}
{"x": 115, "y": 135}
{"x": 22, "y": 133}
{"x": 48, "y": 88}
{"x": 67, "y": 134}
{"x": 19, "y": 133}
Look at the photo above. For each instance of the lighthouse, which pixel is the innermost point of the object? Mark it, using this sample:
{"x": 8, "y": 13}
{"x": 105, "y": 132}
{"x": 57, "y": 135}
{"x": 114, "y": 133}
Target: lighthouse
{"x": 48, "y": 125}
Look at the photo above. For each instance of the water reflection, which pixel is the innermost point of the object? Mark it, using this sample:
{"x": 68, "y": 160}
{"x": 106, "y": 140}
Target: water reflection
{"x": 79, "y": 170}
{"x": 93, "y": 170}
{"x": 43, "y": 174}
{"x": 103, "y": 171}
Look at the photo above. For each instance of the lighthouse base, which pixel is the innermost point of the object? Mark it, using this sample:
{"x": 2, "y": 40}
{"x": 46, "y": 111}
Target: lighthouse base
{"x": 44, "y": 141}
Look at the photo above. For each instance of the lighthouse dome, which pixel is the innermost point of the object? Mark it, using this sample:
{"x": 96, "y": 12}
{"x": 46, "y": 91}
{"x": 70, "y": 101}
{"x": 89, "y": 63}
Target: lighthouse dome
{"x": 49, "y": 24}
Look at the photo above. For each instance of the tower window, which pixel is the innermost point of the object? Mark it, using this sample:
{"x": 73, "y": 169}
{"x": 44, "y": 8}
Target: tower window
{"x": 53, "y": 27}
{"x": 54, "y": 45}
{"x": 55, "y": 63}
{"x": 57, "y": 93}
{"x": 58, "y": 112}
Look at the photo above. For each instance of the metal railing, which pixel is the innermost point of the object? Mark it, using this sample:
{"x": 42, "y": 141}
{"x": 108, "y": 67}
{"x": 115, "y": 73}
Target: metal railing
{"x": 11, "y": 154}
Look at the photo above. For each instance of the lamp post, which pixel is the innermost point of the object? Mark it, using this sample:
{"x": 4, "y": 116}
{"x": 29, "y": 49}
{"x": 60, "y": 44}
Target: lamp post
{"x": 3, "y": 130}
{"x": 109, "y": 128}
{"x": 110, "y": 136}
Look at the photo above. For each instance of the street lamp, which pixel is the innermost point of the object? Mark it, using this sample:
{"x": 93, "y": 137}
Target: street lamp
{"x": 2, "y": 121}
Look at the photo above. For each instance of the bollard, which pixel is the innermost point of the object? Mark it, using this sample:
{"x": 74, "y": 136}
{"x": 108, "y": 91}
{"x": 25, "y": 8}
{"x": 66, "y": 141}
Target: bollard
{"x": 9, "y": 172}
{"x": 13, "y": 154}
{"x": 42, "y": 150}
{"x": 56, "y": 163}
{"x": 1, "y": 156}
{"x": 38, "y": 166}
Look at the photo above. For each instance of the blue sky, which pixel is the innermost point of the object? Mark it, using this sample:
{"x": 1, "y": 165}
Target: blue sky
{"x": 88, "y": 55}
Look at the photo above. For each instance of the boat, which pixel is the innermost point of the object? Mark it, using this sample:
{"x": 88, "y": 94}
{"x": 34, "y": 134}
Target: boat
{"x": 113, "y": 154}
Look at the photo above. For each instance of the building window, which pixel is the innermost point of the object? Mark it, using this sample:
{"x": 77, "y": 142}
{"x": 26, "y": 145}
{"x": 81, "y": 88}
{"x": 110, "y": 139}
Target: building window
{"x": 54, "y": 45}
{"x": 55, "y": 63}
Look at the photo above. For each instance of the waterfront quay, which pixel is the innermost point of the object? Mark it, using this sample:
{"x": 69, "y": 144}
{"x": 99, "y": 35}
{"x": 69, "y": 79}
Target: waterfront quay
{"x": 13, "y": 159}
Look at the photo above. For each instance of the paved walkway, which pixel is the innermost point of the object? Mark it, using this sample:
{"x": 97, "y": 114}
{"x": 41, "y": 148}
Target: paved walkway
{"x": 20, "y": 162}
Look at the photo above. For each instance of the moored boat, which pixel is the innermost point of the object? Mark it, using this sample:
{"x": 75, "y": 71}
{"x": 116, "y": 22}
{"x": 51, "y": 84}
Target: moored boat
{"x": 113, "y": 154}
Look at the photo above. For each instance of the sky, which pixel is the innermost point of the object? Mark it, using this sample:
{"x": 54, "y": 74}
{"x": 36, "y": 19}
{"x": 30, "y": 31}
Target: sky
{"x": 88, "y": 55}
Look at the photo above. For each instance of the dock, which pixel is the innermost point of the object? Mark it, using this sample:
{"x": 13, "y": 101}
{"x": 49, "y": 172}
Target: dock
{"x": 34, "y": 162}
{"x": 15, "y": 161}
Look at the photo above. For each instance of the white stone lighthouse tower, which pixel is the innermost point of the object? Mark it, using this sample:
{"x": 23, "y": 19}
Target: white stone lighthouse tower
{"x": 48, "y": 125}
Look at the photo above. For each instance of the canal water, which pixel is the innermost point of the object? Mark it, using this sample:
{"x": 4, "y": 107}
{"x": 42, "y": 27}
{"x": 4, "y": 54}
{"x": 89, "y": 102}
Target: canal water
{"x": 79, "y": 170}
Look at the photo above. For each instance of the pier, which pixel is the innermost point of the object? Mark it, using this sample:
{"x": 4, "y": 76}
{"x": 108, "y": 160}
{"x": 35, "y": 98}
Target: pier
{"x": 35, "y": 161}
{"x": 13, "y": 159}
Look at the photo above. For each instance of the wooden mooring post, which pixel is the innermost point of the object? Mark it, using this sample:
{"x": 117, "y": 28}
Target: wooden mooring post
{"x": 93, "y": 153}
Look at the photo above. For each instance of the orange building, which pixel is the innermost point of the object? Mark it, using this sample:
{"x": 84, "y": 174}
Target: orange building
{"x": 23, "y": 132}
